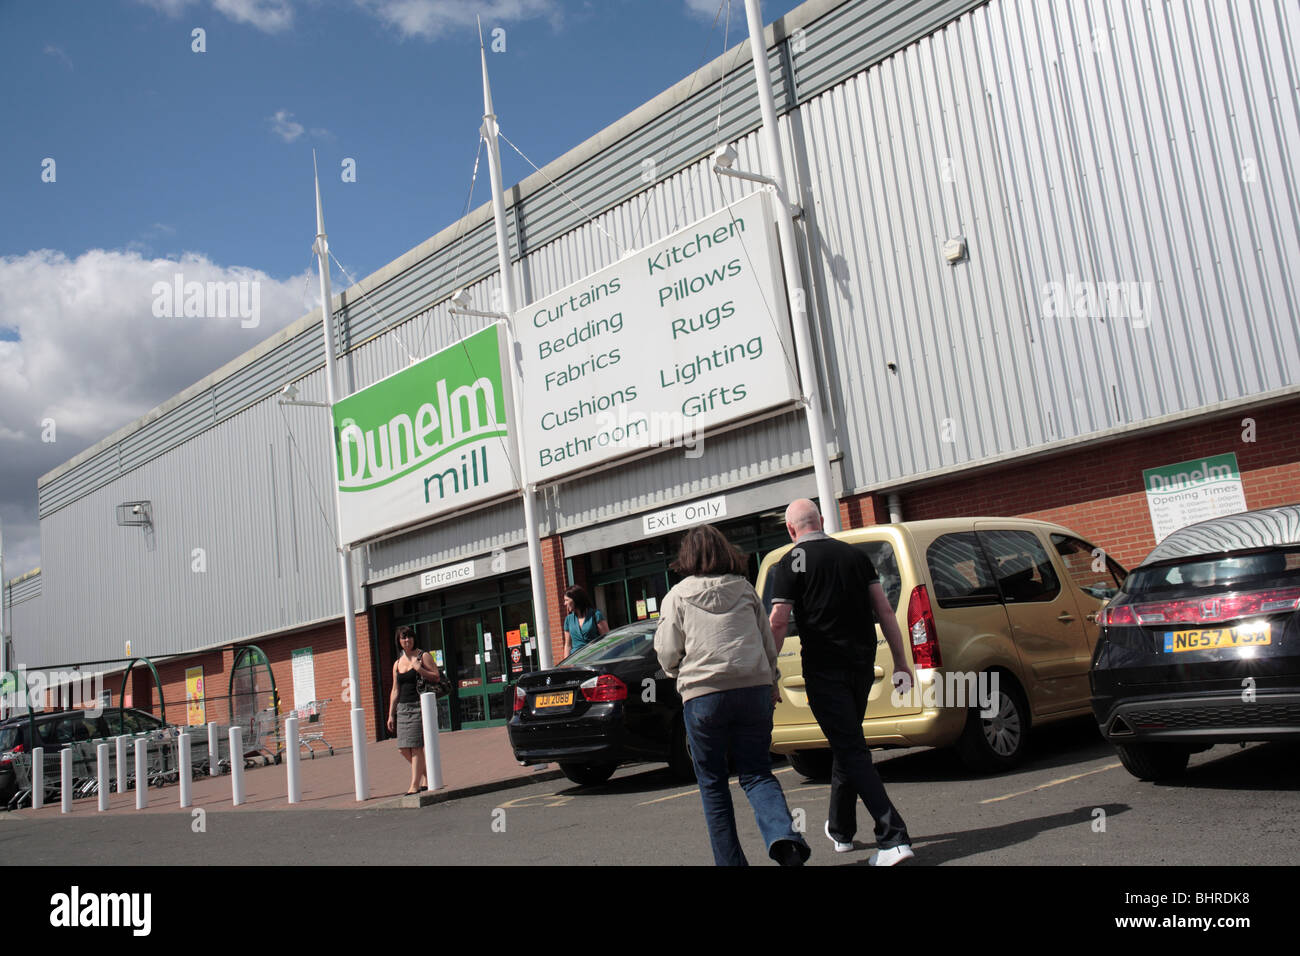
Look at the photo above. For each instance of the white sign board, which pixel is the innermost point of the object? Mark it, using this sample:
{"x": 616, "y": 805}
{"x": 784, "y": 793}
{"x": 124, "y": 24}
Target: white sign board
{"x": 451, "y": 574}
{"x": 683, "y": 516}
{"x": 304, "y": 677}
{"x": 1191, "y": 491}
{"x": 687, "y": 334}
{"x": 431, "y": 439}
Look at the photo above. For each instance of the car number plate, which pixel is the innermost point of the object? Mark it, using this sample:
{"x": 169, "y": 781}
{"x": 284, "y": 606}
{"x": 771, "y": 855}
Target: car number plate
{"x": 1215, "y": 638}
{"x": 553, "y": 700}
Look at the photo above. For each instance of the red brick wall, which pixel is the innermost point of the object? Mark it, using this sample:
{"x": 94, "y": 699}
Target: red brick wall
{"x": 329, "y": 657}
{"x": 1098, "y": 491}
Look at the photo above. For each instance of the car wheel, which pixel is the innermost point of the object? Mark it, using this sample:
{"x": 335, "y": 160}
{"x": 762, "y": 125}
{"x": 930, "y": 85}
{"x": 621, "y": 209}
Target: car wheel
{"x": 680, "y": 764}
{"x": 812, "y": 764}
{"x": 1154, "y": 761}
{"x": 588, "y": 774}
{"x": 993, "y": 744}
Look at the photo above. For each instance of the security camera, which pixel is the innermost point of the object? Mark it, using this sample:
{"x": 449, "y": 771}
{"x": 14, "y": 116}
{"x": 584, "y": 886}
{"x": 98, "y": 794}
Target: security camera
{"x": 725, "y": 156}
{"x": 461, "y": 299}
{"x": 136, "y": 509}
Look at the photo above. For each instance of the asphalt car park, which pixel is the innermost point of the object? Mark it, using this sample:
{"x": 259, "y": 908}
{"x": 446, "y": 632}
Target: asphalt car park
{"x": 1070, "y": 803}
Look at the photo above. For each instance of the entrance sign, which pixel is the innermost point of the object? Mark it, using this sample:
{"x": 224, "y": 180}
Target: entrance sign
{"x": 1192, "y": 491}
{"x": 452, "y": 574}
{"x": 687, "y": 334}
{"x": 428, "y": 440}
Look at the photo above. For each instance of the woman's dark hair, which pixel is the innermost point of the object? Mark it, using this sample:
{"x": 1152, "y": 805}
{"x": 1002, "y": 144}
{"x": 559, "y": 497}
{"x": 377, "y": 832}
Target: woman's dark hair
{"x": 405, "y": 631}
{"x": 705, "y": 550}
{"x": 581, "y": 603}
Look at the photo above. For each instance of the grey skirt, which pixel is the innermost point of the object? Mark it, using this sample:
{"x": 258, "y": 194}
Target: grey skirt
{"x": 410, "y": 730}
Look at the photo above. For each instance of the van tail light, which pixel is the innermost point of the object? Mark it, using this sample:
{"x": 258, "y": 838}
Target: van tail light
{"x": 521, "y": 698}
{"x": 921, "y": 630}
{"x": 606, "y": 687}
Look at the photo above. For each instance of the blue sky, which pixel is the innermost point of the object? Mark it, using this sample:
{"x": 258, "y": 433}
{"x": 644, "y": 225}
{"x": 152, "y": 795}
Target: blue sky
{"x": 167, "y": 160}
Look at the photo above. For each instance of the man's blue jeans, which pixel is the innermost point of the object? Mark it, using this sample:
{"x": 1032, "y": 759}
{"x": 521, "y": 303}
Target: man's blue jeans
{"x": 739, "y": 722}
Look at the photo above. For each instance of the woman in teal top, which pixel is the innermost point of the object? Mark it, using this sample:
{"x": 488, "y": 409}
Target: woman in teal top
{"x": 582, "y": 623}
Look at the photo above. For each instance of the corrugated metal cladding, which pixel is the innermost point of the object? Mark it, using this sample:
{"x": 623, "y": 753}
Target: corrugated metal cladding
{"x": 1125, "y": 181}
{"x": 25, "y": 619}
{"x": 845, "y": 40}
{"x": 241, "y": 544}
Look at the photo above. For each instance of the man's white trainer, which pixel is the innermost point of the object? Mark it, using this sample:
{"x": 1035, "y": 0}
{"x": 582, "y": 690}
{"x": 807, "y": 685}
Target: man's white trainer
{"x": 891, "y": 857}
{"x": 839, "y": 847}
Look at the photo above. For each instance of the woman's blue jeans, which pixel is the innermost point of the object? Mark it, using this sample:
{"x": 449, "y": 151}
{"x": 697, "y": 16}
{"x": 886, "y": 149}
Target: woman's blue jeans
{"x": 738, "y": 722}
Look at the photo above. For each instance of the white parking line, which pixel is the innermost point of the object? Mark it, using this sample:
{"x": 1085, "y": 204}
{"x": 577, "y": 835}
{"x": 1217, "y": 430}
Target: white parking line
{"x": 1053, "y": 783}
{"x": 687, "y": 793}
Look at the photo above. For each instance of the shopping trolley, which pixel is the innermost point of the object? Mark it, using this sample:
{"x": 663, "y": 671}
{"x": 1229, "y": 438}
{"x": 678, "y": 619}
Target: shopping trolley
{"x": 311, "y": 726}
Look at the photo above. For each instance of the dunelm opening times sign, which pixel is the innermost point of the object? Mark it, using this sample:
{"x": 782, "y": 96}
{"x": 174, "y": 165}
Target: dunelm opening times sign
{"x": 685, "y": 335}
{"x": 428, "y": 440}
{"x": 1190, "y": 491}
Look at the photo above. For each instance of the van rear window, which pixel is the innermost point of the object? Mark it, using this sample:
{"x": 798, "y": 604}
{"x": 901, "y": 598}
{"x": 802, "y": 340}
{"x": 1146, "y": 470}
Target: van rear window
{"x": 960, "y": 571}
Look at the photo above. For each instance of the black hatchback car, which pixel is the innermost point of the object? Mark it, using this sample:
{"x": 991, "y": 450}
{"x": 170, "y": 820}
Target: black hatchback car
{"x": 1202, "y": 645}
{"x": 607, "y": 703}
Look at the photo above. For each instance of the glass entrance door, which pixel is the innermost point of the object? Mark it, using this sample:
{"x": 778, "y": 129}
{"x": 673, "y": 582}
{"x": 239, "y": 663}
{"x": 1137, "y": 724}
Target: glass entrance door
{"x": 479, "y": 675}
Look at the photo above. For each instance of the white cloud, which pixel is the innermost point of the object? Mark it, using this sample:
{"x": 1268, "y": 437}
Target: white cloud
{"x": 57, "y": 52}
{"x": 429, "y": 19}
{"x": 91, "y": 356}
{"x": 270, "y": 16}
{"x": 172, "y": 8}
{"x": 285, "y": 126}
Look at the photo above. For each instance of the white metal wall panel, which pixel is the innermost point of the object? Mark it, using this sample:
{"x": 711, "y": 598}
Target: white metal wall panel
{"x": 1087, "y": 141}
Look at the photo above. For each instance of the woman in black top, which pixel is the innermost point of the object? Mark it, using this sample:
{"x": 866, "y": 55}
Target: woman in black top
{"x": 404, "y": 704}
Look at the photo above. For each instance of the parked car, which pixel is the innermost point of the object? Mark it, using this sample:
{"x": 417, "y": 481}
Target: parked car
{"x": 1202, "y": 646}
{"x": 974, "y": 598}
{"x": 54, "y": 730}
{"x": 607, "y": 703}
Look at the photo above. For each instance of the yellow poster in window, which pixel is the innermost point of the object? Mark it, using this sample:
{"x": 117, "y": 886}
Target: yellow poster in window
{"x": 195, "y": 711}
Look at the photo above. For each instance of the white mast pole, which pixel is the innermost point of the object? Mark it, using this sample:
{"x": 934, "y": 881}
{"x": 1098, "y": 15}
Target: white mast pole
{"x": 321, "y": 248}
{"x": 540, "y": 608}
{"x": 793, "y": 282}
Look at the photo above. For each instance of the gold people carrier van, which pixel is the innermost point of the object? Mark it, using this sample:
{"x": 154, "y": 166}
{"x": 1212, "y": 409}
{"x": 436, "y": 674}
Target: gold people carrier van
{"x": 1000, "y": 618}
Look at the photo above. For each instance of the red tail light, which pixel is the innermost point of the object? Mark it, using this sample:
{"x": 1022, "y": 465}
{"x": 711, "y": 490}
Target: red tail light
{"x": 603, "y": 688}
{"x": 920, "y": 627}
{"x": 521, "y": 698}
{"x": 1117, "y": 617}
{"x": 1208, "y": 610}
{"x": 18, "y": 749}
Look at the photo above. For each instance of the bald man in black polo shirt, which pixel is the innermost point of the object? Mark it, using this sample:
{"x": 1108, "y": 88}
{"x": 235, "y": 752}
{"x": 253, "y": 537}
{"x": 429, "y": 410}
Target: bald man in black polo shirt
{"x": 835, "y": 595}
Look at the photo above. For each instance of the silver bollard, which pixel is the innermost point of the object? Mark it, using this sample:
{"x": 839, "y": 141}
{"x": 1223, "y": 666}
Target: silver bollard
{"x": 121, "y": 763}
{"x": 185, "y": 770}
{"x": 65, "y": 782}
{"x": 291, "y": 759}
{"x": 214, "y": 752}
{"x": 237, "y": 765}
{"x": 429, "y": 722}
{"x": 38, "y": 778}
{"x": 101, "y": 765}
{"x": 141, "y": 774}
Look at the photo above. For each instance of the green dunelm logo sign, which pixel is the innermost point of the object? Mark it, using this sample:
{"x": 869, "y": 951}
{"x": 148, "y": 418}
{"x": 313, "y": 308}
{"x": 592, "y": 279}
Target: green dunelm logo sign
{"x": 430, "y": 439}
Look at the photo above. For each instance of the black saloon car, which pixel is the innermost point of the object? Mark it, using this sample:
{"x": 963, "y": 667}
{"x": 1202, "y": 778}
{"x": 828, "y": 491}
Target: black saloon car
{"x": 1202, "y": 645}
{"x": 606, "y": 703}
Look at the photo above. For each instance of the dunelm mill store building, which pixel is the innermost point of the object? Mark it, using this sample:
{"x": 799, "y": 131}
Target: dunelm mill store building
{"x": 1037, "y": 275}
